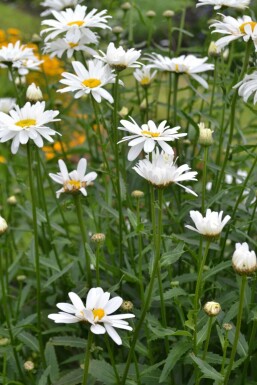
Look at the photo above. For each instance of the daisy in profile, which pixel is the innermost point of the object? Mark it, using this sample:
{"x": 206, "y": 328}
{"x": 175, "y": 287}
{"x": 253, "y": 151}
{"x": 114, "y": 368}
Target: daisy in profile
{"x": 91, "y": 80}
{"x": 190, "y": 65}
{"x": 211, "y": 225}
{"x": 147, "y": 136}
{"x": 235, "y": 29}
{"x": 97, "y": 311}
{"x": 6, "y": 104}
{"x": 119, "y": 59}
{"x": 162, "y": 171}
{"x": 239, "y": 4}
{"x": 58, "y": 5}
{"x": 78, "y": 18}
{"x": 244, "y": 261}
{"x": 29, "y": 122}
{"x": 72, "y": 42}
{"x": 144, "y": 76}
{"x": 74, "y": 181}
{"x": 247, "y": 87}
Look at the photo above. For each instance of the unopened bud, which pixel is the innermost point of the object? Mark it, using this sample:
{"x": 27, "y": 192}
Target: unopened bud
{"x": 126, "y": 6}
{"x": 205, "y": 135}
{"x": 227, "y": 326}
{"x": 3, "y": 225}
{"x": 212, "y": 308}
{"x": 127, "y": 305}
{"x": 34, "y": 93}
{"x": 225, "y": 54}
{"x": 123, "y": 112}
{"x": 137, "y": 194}
{"x": 4, "y": 341}
{"x": 36, "y": 38}
{"x": 168, "y": 13}
{"x": 214, "y": 50}
{"x": 29, "y": 365}
{"x": 21, "y": 278}
{"x": 117, "y": 30}
{"x": 98, "y": 238}
{"x": 244, "y": 261}
{"x": 143, "y": 105}
{"x": 150, "y": 14}
{"x": 12, "y": 200}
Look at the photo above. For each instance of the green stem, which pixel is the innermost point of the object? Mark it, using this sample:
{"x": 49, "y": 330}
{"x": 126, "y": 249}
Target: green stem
{"x": 77, "y": 200}
{"x": 148, "y": 296}
{"x": 169, "y": 96}
{"x": 97, "y": 264}
{"x": 14, "y": 84}
{"x": 36, "y": 250}
{"x": 140, "y": 255}
{"x": 181, "y": 27}
{"x": 110, "y": 352}
{"x": 237, "y": 332}
{"x": 87, "y": 358}
{"x": 147, "y": 104}
{"x": 252, "y": 344}
{"x": 210, "y": 322}
{"x": 213, "y": 87}
{"x": 205, "y": 160}
{"x": 225, "y": 347}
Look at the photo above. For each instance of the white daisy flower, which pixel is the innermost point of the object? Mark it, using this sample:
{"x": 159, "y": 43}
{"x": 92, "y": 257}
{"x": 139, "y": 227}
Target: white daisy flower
{"x": 72, "y": 42}
{"x": 3, "y": 225}
{"x": 98, "y": 310}
{"x": 234, "y": 29}
{"x": 78, "y": 18}
{"x": 73, "y": 181}
{"x": 91, "y": 80}
{"x": 144, "y": 76}
{"x": 28, "y": 122}
{"x": 244, "y": 261}
{"x": 211, "y": 225}
{"x": 239, "y": 4}
{"x": 58, "y": 5}
{"x": 147, "y": 136}
{"x": 247, "y": 87}
{"x": 119, "y": 59}
{"x": 190, "y": 65}
{"x": 6, "y": 104}
{"x": 163, "y": 171}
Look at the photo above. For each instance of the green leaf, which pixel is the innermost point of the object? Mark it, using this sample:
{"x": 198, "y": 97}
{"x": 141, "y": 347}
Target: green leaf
{"x": 74, "y": 342}
{"x": 102, "y": 371}
{"x": 172, "y": 293}
{"x": 51, "y": 360}
{"x": 242, "y": 345}
{"x": 216, "y": 269}
{"x": 43, "y": 378}
{"x": 179, "y": 349}
{"x": 163, "y": 332}
{"x": 74, "y": 377}
{"x": 132, "y": 219}
{"x": 201, "y": 335}
{"x": 58, "y": 275}
{"x": 29, "y": 340}
{"x": 49, "y": 263}
{"x": 173, "y": 256}
{"x": 207, "y": 370}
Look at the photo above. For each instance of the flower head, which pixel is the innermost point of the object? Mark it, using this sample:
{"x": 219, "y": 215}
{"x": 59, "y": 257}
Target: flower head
{"x": 73, "y": 181}
{"x": 147, "y": 136}
{"x": 34, "y": 93}
{"x": 247, "y": 87}
{"x": 205, "y": 135}
{"x": 212, "y": 308}
{"x": 239, "y": 4}
{"x": 190, "y": 65}
{"x": 3, "y": 225}
{"x": 97, "y": 311}
{"x": 6, "y": 104}
{"x": 91, "y": 80}
{"x": 144, "y": 76}
{"x": 58, "y": 5}
{"x": 28, "y": 122}
{"x": 118, "y": 58}
{"x": 244, "y": 261}
{"x": 234, "y": 29}
{"x": 163, "y": 171}
{"x": 211, "y": 225}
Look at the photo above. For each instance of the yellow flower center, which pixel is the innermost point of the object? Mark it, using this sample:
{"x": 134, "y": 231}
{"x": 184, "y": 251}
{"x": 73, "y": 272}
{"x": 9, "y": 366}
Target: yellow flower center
{"x": 72, "y": 45}
{"x": 176, "y": 68}
{"x": 79, "y": 23}
{"x": 91, "y": 83}
{"x": 25, "y": 123}
{"x": 152, "y": 134}
{"x": 99, "y": 313}
{"x": 145, "y": 81}
{"x": 73, "y": 185}
{"x": 251, "y": 23}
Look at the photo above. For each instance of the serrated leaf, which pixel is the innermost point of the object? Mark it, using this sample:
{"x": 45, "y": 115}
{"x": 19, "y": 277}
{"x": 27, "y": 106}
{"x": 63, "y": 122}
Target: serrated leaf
{"x": 43, "y": 378}
{"x": 216, "y": 269}
{"x": 202, "y": 334}
{"x": 29, "y": 340}
{"x": 165, "y": 332}
{"x": 74, "y": 377}
{"x": 74, "y": 342}
{"x": 207, "y": 370}
{"x": 102, "y": 371}
{"x": 172, "y": 293}
{"x": 174, "y": 355}
{"x": 51, "y": 360}
{"x": 242, "y": 345}
{"x": 173, "y": 256}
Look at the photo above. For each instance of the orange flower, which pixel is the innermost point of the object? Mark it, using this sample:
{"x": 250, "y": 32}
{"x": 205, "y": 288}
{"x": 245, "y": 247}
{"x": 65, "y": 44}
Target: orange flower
{"x": 52, "y": 66}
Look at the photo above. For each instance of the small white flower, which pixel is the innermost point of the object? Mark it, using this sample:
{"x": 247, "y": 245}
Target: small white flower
{"x": 239, "y": 4}
{"x": 147, "y": 136}
{"x": 34, "y": 93}
{"x": 28, "y": 122}
{"x": 163, "y": 171}
{"x": 119, "y": 59}
{"x": 6, "y": 104}
{"x": 91, "y": 80}
{"x": 244, "y": 261}
{"x": 98, "y": 310}
{"x": 234, "y": 29}
{"x": 211, "y": 225}
{"x": 144, "y": 76}
{"x": 77, "y": 18}
{"x": 75, "y": 180}
{"x": 58, "y": 5}
{"x": 190, "y": 65}
{"x": 3, "y": 225}
{"x": 72, "y": 42}
{"x": 247, "y": 87}
{"x": 212, "y": 308}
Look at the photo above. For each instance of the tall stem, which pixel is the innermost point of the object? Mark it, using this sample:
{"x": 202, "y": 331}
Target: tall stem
{"x": 87, "y": 358}
{"x": 205, "y": 160}
{"x": 237, "y": 332}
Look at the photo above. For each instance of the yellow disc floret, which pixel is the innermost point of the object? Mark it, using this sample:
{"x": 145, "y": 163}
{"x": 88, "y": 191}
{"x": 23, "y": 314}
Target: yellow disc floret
{"x": 72, "y": 45}
{"x": 91, "y": 83}
{"x": 149, "y": 133}
{"x": 73, "y": 185}
{"x": 79, "y": 23}
{"x": 26, "y": 123}
{"x": 98, "y": 313}
{"x": 251, "y": 23}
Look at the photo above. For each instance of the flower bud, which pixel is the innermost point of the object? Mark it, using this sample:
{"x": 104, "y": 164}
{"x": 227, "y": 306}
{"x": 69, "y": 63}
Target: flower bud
{"x": 212, "y": 308}
{"x": 98, "y": 238}
{"x": 127, "y": 305}
{"x": 34, "y": 93}
{"x": 12, "y": 200}
{"x": 4, "y": 341}
{"x": 244, "y": 261}
{"x": 117, "y": 30}
{"x": 126, "y": 6}
{"x": 143, "y": 105}
{"x": 21, "y": 278}
{"x": 225, "y": 54}
{"x": 3, "y": 225}
{"x": 213, "y": 50}
{"x": 36, "y": 38}
{"x": 168, "y": 13}
{"x": 205, "y": 135}
{"x": 137, "y": 194}
{"x": 150, "y": 14}
{"x": 29, "y": 365}
{"x": 227, "y": 327}
{"x": 123, "y": 112}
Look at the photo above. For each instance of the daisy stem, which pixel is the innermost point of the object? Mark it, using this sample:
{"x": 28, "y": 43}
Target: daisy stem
{"x": 210, "y": 323}
{"x": 237, "y": 332}
{"x": 224, "y": 347}
{"x": 205, "y": 160}
{"x": 97, "y": 264}
{"x": 169, "y": 96}
{"x": 147, "y": 104}
{"x": 181, "y": 27}
{"x": 198, "y": 291}
{"x": 14, "y": 84}
{"x": 110, "y": 352}
{"x": 149, "y": 292}
{"x": 213, "y": 88}
{"x": 77, "y": 200}
{"x": 36, "y": 250}
{"x": 252, "y": 343}
{"x": 87, "y": 358}
{"x": 140, "y": 255}
{"x": 233, "y": 116}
